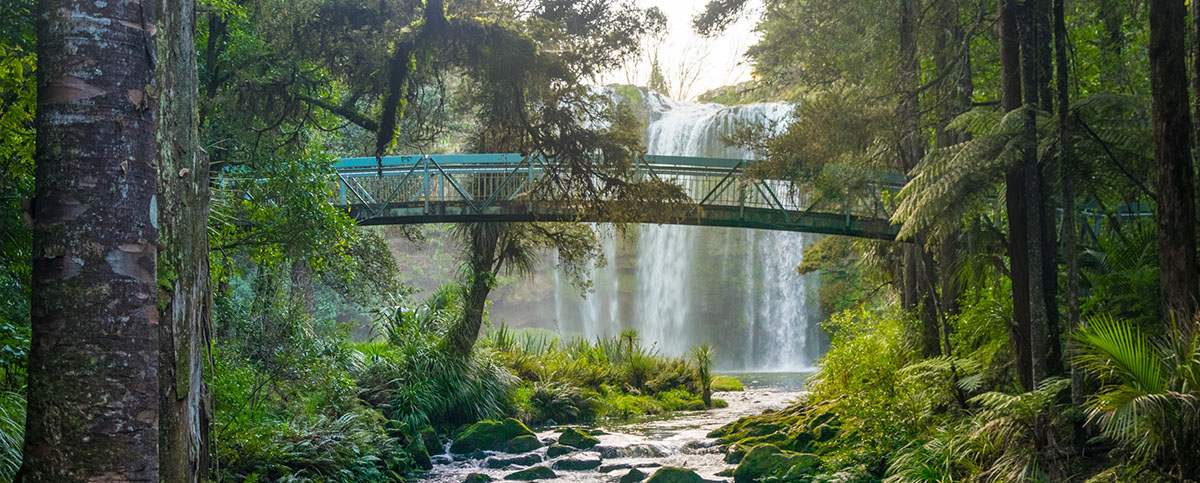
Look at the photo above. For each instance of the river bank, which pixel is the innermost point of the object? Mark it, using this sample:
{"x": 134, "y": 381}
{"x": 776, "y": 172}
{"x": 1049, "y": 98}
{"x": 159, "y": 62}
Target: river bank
{"x": 647, "y": 443}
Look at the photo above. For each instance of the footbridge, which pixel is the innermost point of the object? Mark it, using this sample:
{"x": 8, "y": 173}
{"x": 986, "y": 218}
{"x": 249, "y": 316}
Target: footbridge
{"x": 398, "y": 190}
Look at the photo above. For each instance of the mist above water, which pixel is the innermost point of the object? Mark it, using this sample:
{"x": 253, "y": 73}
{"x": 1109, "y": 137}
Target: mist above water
{"x": 679, "y": 286}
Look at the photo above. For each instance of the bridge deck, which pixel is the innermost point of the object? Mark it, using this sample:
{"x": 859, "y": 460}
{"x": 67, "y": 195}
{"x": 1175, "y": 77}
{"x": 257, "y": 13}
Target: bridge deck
{"x": 496, "y": 187}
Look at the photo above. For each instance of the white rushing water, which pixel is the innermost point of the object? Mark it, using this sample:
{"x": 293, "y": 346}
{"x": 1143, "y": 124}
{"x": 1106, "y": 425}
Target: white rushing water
{"x": 680, "y": 286}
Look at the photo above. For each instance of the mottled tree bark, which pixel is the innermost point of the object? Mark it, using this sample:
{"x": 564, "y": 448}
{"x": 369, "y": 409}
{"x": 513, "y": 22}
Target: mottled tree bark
{"x": 184, "y": 296}
{"x": 93, "y": 369}
{"x": 1018, "y": 252}
{"x": 1031, "y": 79}
{"x": 1176, "y": 185}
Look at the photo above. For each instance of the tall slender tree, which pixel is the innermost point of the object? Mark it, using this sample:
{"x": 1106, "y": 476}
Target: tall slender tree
{"x": 1176, "y": 185}
{"x": 1015, "y": 200}
{"x": 183, "y": 275}
{"x": 93, "y": 388}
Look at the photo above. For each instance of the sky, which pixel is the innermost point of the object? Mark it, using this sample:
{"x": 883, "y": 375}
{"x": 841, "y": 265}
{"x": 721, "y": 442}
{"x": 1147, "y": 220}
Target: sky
{"x": 693, "y": 64}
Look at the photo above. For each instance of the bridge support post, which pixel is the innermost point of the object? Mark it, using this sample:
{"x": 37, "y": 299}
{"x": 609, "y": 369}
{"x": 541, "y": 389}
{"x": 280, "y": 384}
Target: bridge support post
{"x": 425, "y": 160}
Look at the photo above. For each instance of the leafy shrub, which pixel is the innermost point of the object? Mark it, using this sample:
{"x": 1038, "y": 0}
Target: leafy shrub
{"x": 1150, "y": 399}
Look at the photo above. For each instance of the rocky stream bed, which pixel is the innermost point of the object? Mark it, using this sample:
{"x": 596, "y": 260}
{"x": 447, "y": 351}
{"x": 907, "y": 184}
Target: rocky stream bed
{"x": 628, "y": 451}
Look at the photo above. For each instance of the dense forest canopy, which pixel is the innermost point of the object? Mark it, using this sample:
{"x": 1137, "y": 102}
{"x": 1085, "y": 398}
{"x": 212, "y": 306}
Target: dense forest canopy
{"x": 179, "y": 301}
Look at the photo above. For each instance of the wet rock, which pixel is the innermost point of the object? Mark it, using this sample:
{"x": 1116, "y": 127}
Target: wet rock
{"x": 633, "y": 476}
{"x": 522, "y": 444}
{"x": 700, "y": 446}
{"x": 768, "y": 460}
{"x": 477, "y": 478}
{"x": 577, "y": 463}
{"x": 612, "y": 468}
{"x": 432, "y": 444}
{"x": 674, "y": 474}
{"x": 460, "y": 457}
{"x": 534, "y": 473}
{"x": 442, "y": 459}
{"x": 503, "y": 462}
{"x": 478, "y": 454}
{"x": 490, "y": 435}
{"x": 735, "y": 453}
{"x": 555, "y": 450}
{"x": 727, "y": 472}
{"x": 416, "y": 449}
{"x": 596, "y": 432}
{"x": 631, "y": 451}
{"x": 576, "y": 438}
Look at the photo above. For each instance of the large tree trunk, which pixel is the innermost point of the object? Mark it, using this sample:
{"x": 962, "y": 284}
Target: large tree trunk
{"x": 93, "y": 369}
{"x": 1018, "y": 252}
{"x": 184, "y": 296}
{"x": 912, "y": 150}
{"x": 1034, "y": 189}
{"x": 1176, "y": 214}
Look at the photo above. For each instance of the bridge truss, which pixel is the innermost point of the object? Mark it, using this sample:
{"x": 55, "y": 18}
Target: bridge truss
{"x": 497, "y": 187}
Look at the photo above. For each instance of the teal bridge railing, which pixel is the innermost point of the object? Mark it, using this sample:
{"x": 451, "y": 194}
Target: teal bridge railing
{"x": 457, "y": 188}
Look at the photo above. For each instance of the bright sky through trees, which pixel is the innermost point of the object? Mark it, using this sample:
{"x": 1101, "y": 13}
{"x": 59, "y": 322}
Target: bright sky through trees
{"x": 698, "y": 63}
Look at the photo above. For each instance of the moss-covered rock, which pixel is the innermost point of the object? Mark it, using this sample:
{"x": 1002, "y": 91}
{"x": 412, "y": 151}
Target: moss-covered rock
{"x": 555, "y": 450}
{"x": 432, "y": 444}
{"x": 674, "y": 474}
{"x": 797, "y": 428}
{"x": 735, "y": 453}
{"x": 768, "y": 460}
{"x": 534, "y": 473}
{"x": 727, "y": 472}
{"x": 415, "y": 447}
{"x": 577, "y": 439}
{"x": 490, "y": 435}
{"x": 477, "y": 478}
{"x": 522, "y": 444}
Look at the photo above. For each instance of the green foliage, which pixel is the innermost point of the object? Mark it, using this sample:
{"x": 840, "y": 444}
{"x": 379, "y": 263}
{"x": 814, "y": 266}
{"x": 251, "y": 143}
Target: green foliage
{"x": 12, "y": 433}
{"x": 860, "y": 378}
{"x": 727, "y": 384}
{"x": 1151, "y": 391}
{"x": 1120, "y": 277}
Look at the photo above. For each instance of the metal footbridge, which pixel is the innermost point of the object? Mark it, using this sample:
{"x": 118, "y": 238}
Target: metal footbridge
{"x": 458, "y": 188}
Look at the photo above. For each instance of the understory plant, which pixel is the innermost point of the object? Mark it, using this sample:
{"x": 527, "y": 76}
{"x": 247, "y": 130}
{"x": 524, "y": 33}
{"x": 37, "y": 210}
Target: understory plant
{"x": 1149, "y": 399}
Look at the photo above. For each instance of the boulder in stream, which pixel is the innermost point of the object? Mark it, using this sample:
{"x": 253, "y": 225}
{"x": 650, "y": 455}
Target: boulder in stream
{"x": 491, "y": 435}
{"x": 768, "y": 460}
{"x": 674, "y": 474}
{"x": 534, "y": 473}
{"x": 635, "y": 475}
{"x": 578, "y": 439}
{"x": 632, "y": 451}
{"x": 523, "y": 460}
{"x": 522, "y": 444}
{"x": 577, "y": 463}
{"x": 477, "y": 478}
{"x": 555, "y": 450}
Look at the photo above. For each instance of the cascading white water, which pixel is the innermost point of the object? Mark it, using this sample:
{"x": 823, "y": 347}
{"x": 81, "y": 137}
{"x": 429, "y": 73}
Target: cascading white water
{"x": 737, "y": 289}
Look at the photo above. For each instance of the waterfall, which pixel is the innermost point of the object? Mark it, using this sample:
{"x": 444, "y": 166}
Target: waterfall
{"x": 679, "y": 286}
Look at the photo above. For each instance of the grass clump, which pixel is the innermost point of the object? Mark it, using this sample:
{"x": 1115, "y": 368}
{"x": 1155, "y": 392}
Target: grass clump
{"x": 727, "y": 384}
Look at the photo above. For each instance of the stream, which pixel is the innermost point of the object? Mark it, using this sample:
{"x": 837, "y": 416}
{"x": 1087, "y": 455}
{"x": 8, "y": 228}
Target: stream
{"x": 677, "y": 439}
